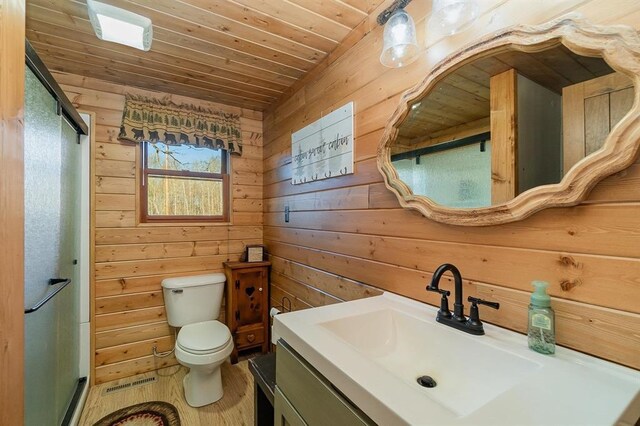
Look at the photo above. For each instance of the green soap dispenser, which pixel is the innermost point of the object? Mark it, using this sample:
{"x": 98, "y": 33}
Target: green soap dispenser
{"x": 541, "y": 331}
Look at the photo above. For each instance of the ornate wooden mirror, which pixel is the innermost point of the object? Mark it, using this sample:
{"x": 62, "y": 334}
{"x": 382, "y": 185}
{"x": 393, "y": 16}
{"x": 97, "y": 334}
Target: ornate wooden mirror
{"x": 526, "y": 119}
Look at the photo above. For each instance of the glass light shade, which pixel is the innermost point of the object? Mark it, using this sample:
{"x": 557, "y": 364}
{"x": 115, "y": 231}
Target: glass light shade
{"x": 451, "y": 16}
{"x": 120, "y": 26}
{"x": 400, "y": 46}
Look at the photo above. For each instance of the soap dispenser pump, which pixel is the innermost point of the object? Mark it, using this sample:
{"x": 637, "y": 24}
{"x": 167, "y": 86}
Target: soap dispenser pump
{"x": 541, "y": 330}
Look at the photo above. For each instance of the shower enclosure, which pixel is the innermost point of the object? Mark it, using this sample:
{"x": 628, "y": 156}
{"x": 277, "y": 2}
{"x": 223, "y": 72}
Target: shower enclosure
{"x": 52, "y": 178}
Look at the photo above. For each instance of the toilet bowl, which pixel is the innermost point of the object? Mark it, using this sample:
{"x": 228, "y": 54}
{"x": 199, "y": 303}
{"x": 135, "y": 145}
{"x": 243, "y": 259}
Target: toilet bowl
{"x": 203, "y": 343}
{"x": 203, "y": 347}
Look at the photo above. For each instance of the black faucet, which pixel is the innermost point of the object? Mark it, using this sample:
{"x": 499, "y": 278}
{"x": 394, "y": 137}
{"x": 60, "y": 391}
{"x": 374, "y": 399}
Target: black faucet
{"x": 472, "y": 325}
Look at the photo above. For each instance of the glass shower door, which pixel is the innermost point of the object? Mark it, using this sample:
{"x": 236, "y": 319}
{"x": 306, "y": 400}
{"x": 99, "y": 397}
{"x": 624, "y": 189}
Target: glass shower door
{"x": 52, "y": 247}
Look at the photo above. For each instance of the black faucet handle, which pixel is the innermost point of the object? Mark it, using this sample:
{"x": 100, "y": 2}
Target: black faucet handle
{"x": 475, "y": 300}
{"x": 444, "y": 311}
{"x": 473, "y": 322}
{"x": 437, "y": 290}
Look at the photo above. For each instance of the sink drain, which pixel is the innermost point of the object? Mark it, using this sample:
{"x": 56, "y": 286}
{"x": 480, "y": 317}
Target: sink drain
{"x": 427, "y": 382}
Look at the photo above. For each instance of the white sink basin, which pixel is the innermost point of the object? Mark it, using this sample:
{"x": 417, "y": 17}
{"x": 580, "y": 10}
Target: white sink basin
{"x": 374, "y": 350}
{"x": 409, "y": 348}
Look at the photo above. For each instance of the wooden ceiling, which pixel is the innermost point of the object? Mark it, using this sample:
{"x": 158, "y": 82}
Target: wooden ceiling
{"x": 460, "y": 103}
{"x": 241, "y": 52}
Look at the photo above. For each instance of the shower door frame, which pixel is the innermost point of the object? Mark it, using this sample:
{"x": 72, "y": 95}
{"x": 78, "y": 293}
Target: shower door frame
{"x": 85, "y": 133}
{"x": 87, "y": 198}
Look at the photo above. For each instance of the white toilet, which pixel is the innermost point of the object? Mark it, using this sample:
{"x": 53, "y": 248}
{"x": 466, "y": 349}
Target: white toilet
{"x": 203, "y": 343}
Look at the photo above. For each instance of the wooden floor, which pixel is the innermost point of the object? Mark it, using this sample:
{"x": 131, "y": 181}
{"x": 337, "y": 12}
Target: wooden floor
{"x": 235, "y": 408}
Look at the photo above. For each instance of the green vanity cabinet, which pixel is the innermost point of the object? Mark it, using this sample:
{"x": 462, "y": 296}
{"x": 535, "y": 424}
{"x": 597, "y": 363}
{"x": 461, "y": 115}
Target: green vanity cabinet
{"x": 285, "y": 414}
{"x": 304, "y": 397}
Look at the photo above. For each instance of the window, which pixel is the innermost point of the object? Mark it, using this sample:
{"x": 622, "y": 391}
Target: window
{"x": 184, "y": 183}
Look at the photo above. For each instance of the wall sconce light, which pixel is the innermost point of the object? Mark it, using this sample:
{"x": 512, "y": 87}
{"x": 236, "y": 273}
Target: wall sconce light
{"x": 451, "y": 16}
{"x": 400, "y": 45}
{"x": 117, "y": 25}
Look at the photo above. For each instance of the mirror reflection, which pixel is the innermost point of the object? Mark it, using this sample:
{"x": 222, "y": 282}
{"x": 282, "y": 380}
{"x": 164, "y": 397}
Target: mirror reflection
{"x": 508, "y": 122}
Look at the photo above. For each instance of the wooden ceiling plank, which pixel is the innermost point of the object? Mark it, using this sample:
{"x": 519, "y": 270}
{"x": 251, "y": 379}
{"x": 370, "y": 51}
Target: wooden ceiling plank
{"x": 97, "y": 61}
{"x": 264, "y": 22}
{"x": 453, "y": 92}
{"x": 257, "y": 74}
{"x": 175, "y": 54}
{"x": 333, "y": 10}
{"x": 232, "y": 51}
{"x": 199, "y": 46}
{"x": 468, "y": 85}
{"x": 443, "y": 110}
{"x": 413, "y": 129}
{"x": 144, "y": 82}
{"x": 475, "y": 74}
{"x": 206, "y": 29}
{"x": 60, "y": 53}
{"x": 234, "y": 28}
{"x": 157, "y": 61}
{"x": 73, "y": 15}
{"x": 300, "y": 17}
{"x": 68, "y": 23}
{"x": 151, "y": 82}
{"x": 491, "y": 65}
{"x": 526, "y": 65}
{"x": 432, "y": 114}
{"x": 561, "y": 58}
{"x": 436, "y": 114}
{"x": 596, "y": 65}
{"x": 367, "y": 6}
{"x": 454, "y": 100}
{"x": 201, "y": 24}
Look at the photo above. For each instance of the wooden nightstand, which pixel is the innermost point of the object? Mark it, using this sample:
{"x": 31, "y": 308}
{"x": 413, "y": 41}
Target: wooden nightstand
{"x": 247, "y": 305}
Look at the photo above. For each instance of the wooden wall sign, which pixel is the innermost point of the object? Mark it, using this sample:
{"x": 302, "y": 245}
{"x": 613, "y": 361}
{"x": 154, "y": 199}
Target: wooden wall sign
{"x": 324, "y": 148}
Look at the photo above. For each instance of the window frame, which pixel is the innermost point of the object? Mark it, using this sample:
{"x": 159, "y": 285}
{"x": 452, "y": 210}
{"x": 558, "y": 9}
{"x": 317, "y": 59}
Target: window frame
{"x": 144, "y": 196}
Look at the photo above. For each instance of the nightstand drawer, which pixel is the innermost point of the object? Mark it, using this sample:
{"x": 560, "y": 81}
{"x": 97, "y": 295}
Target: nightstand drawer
{"x": 249, "y": 336}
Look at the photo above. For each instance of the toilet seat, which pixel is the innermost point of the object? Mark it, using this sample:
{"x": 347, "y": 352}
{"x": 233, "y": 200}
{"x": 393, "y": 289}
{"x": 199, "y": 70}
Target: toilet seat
{"x": 203, "y": 338}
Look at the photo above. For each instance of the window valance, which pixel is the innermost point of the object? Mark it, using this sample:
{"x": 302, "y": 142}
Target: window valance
{"x": 154, "y": 120}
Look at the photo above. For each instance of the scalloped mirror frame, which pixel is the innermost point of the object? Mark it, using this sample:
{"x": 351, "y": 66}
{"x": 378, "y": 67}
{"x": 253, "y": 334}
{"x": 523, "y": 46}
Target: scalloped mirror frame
{"x": 618, "y": 45}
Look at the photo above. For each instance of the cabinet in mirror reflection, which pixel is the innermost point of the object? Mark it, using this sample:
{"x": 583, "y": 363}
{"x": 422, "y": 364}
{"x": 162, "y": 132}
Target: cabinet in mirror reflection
{"x": 507, "y": 122}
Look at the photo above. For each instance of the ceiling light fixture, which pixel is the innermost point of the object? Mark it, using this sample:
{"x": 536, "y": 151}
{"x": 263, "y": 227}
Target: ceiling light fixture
{"x": 400, "y": 45}
{"x": 452, "y": 16}
{"x": 120, "y": 26}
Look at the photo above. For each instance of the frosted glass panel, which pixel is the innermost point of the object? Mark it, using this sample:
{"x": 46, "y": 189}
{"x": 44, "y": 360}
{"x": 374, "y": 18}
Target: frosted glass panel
{"x": 42, "y": 151}
{"x": 68, "y": 325}
{"x": 459, "y": 177}
{"x": 52, "y": 192}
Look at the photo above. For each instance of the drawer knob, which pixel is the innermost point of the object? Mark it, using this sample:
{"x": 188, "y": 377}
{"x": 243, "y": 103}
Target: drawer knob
{"x": 260, "y": 289}
{"x": 251, "y": 337}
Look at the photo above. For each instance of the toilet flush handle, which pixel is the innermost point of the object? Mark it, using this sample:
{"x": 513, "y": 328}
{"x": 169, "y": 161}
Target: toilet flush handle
{"x": 177, "y": 290}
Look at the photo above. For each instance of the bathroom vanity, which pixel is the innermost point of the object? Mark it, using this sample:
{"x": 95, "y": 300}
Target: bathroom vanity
{"x": 358, "y": 362}
{"x": 296, "y": 379}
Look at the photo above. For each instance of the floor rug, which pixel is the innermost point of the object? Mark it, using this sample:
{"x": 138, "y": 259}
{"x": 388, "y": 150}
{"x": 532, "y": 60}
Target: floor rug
{"x": 154, "y": 413}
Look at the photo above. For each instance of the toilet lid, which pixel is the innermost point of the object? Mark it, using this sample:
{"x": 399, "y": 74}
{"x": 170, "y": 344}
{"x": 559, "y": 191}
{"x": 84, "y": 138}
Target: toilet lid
{"x": 203, "y": 337}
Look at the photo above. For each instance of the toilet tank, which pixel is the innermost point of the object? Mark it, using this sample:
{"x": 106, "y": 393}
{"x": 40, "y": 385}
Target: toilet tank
{"x": 193, "y": 299}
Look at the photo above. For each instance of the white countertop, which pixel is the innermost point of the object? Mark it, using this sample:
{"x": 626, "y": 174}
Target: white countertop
{"x": 374, "y": 349}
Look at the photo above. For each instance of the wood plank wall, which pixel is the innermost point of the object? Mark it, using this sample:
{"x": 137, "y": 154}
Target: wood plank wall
{"x": 12, "y": 15}
{"x": 348, "y": 231}
{"x": 131, "y": 259}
